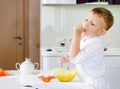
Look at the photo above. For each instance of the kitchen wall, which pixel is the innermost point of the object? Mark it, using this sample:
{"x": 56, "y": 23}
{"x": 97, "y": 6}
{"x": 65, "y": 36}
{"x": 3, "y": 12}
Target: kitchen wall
{"x": 57, "y": 23}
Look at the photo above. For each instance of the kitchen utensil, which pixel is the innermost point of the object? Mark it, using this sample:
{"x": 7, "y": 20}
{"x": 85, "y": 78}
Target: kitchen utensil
{"x": 27, "y": 67}
{"x": 61, "y": 65}
{"x": 64, "y": 75}
{"x": 66, "y": 65}
{"x": 28, "y": 86}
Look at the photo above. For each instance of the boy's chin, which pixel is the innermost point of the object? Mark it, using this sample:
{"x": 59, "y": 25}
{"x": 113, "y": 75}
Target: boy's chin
{"x": 85, "y": 34}
{"x": 88, "y": 35}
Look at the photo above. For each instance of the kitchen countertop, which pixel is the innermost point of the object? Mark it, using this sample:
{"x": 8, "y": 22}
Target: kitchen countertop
{"x": 16, "y": 81}
{"x": 113, "y": 51}
{"x": 61, "y": 52}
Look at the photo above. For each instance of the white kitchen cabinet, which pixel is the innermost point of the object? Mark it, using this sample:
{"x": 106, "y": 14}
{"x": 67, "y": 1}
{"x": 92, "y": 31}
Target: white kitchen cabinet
{"x": 70, "y": 1}
{"x": 64, "y": 1}
{"x": 112, "y": 73}
{"x": 50, "y": 60}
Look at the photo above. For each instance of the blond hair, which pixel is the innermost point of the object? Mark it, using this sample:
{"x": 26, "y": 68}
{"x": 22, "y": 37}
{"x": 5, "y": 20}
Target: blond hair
{"x": 105, "y": 14}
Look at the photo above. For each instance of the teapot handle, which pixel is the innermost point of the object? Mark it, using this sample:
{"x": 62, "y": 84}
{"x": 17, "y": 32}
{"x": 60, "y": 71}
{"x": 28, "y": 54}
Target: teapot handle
{"x": 17, "y": 65}
{"x": 36, "y": 66}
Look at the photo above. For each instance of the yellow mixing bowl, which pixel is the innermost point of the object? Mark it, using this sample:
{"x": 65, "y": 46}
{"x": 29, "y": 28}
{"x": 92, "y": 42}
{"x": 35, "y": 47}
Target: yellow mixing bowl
{"x": 65, "y": 75}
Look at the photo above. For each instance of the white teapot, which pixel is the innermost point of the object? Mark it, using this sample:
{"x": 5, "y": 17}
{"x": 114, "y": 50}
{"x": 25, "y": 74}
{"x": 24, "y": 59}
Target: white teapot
{"x": 27, "y": 67}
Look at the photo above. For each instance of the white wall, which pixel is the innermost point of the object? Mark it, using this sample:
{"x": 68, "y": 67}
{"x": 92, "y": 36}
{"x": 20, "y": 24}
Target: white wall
{"x": 57, "y": 22}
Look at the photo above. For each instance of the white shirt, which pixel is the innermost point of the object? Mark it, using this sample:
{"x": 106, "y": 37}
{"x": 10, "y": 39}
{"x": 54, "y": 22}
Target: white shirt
{"x": 89, "y": 61}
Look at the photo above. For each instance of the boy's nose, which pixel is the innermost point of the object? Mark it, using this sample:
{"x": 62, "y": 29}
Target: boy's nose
{"x": 85, "y": 24}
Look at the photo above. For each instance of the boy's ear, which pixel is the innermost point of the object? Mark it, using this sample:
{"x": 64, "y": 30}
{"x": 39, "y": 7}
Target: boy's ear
{"x": 102, "y": 32}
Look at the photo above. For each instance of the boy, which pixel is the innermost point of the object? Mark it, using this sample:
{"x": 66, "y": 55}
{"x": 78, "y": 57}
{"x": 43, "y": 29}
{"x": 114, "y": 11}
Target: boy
{"x": 87, "y": 53}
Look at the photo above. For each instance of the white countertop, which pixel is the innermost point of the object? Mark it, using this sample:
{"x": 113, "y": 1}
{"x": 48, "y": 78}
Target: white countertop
{"x": 62, "y": 52}
{"x": 16, "y": 81}
{"x": 113, "y": 51}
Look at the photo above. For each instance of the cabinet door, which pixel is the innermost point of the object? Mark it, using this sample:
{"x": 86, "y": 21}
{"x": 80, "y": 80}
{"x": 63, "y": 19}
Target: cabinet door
{"x": 117, "y": 2}
{"x": 112, "y": 76}
{"x": 97, "y": 1}
{"x": 86, "y": 1}
{"x": 49, "y": 63}
{"x": 93, "y": 0}
{"x": 81, "y": 1}
{"x": 113, "y": 71}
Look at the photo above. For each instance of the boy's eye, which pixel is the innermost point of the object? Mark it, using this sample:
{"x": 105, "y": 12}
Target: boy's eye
{"x": 86, "y": 19}
{"x": 92, "y": 24}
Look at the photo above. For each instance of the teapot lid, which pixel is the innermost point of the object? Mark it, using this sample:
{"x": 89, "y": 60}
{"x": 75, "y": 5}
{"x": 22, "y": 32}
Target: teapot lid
{"x": 27, "y": 60}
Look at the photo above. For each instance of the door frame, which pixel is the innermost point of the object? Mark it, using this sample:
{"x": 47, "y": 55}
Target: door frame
{"x": 32, "y": 21}
{"x": 26, "y": 28}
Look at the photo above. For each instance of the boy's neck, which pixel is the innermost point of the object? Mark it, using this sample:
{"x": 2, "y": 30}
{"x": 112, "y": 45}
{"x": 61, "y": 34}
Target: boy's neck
{"x": 90, "y": 36}
{"x": 87, "y": 37}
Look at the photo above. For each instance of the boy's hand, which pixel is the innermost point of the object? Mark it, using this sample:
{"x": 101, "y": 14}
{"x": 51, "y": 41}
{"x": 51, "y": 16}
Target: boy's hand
{"x": 64, "y": 59}
{"x": 75, "y": 45}
{"x": 78, "y": 29}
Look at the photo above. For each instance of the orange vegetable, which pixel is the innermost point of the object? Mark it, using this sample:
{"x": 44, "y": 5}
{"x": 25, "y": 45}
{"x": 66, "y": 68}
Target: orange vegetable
{"x": 46, "y": 78}
{"x": 3, "y": 72}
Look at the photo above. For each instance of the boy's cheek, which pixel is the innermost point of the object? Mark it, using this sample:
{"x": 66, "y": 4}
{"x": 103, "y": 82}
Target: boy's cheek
{"x": 84, "y": 26}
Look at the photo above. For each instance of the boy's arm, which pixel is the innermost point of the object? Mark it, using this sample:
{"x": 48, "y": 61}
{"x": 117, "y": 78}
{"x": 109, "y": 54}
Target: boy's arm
{"x": 75, "y": 46}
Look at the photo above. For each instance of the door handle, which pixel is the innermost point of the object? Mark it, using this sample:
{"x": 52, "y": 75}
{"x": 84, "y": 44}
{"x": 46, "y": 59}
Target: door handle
{"x": 18, "y": 37}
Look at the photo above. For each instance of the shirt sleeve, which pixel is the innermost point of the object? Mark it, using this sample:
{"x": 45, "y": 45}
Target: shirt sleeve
{"x": 87, "y": 53}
